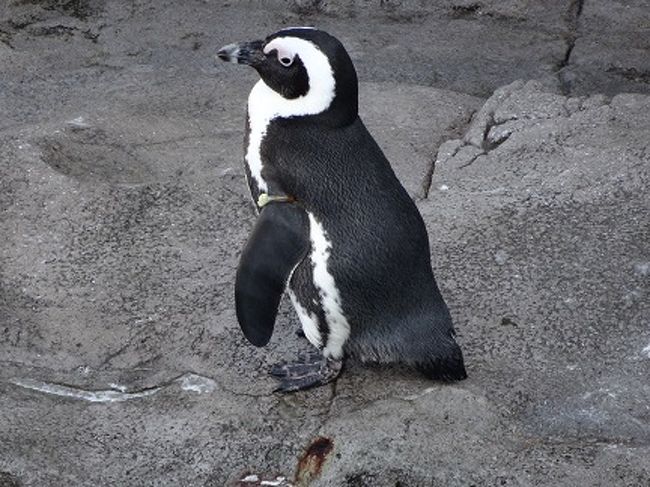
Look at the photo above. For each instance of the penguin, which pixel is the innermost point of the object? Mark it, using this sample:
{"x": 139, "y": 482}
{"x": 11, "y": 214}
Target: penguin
{"x": 335, "y": 229}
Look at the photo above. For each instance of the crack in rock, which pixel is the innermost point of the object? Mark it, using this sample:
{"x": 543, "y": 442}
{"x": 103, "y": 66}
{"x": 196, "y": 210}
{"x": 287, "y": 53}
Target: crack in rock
{"x": 472, "y": 160}
{"x": 486, "y": 131}
{"x": 454, "y": 130}
{"x": 254, "y": 480}
{"x": 484, "y": 119}
{"x": 491, "y": 138}
{"x": 106, "y": 395}
{"x": 573, "y": 15}
{"x": 117, "y": 393}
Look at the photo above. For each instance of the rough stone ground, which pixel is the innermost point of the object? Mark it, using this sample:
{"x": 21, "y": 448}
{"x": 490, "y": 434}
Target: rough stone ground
{"x": 123, "y": 211}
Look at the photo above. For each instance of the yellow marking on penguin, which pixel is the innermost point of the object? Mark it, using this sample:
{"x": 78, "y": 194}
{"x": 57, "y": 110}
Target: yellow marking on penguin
{"x": 264, "y": 199}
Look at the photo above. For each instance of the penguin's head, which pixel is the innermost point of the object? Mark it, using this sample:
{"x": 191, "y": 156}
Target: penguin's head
{"x": 308, "y": 69}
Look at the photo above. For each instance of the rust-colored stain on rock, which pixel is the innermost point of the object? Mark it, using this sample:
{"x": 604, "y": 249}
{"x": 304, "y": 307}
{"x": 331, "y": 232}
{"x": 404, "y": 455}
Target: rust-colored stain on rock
{"x": 311, "y": 463}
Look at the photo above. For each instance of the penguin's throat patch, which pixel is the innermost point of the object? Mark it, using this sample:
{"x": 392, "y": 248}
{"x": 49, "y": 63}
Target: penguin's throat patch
{"x": 266, "y": 104}
{"x": 265, "y": 198}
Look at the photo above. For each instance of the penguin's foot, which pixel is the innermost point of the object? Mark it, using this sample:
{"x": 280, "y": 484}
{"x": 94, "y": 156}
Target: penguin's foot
{"x": 312, "y": 370}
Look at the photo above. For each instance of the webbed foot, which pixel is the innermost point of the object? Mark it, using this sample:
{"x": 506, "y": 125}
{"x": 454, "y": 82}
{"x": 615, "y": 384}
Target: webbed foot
{"x": 309, "y": 371}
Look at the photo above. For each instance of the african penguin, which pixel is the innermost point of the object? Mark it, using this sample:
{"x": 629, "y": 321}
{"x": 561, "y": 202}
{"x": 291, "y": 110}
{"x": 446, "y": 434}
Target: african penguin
{"x": 335, "y": 226}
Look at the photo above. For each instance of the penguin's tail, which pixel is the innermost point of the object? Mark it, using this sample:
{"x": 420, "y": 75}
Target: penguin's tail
{"x": 431, "y": 350}
{"x": 448, "y": 366}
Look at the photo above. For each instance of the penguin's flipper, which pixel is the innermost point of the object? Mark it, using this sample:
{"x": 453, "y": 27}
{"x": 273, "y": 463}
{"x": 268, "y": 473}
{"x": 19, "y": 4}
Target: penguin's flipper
{"x": 279, "y": 241}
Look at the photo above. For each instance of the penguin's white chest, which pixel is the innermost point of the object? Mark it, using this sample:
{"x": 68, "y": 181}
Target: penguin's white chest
{"x": 259, "y": 117}
{"x": 265, "y": 104}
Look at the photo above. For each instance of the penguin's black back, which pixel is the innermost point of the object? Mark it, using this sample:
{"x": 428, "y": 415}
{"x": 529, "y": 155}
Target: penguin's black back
{"x": 380, "y": 256}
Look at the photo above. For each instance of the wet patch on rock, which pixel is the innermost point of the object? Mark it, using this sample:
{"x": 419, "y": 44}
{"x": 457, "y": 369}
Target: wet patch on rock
{"x": 91, "y": 153}
{"x": 311, "y": 463}
{"x": 465, "y": 11}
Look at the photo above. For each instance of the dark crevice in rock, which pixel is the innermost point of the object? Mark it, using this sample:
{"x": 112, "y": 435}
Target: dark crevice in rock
{"x": 572, "y": 18}
{"x": 79, "y": 9}
{"x": 21, "y": 24}
{"x": 54, "y": 30}
{"x": 567, "y": 54}
{"x": 5, "y": 38}
{"x": 455, "y": 130}
{"x": 115, "y": 353}
{"x": 471, "y": 161}
{"x": 487, "y": 141}
{"x": 476, "y": 11}
{"x": 427, "y": 180}
{"x": 630, "y": 74}
{"x": 490, "y": 144}
{"x": 465, "y": 11}
{"x": 457, "y": 150}
{"x": 59, "y": 30}
{"x": 485, "y": 145}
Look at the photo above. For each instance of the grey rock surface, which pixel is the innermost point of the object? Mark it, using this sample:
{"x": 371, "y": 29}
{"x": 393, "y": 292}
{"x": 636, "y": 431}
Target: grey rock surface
{"x": 608, "y": 48}
{"x": 123, "y": 211}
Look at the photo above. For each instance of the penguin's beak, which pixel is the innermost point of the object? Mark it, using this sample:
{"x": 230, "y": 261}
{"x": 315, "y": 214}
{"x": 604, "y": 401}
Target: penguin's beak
{"x": 249, "y": 53}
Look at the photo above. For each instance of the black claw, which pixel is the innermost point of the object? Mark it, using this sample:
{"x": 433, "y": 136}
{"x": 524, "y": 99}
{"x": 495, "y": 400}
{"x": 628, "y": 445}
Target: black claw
{"x": 305, "y": 365}
{"x": 279, "y": 370}
{"x": 292, "y": 385}
{"x": 313, "y": 370}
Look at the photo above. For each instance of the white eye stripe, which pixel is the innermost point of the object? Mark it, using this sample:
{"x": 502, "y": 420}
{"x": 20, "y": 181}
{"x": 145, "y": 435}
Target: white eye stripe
{"x": 285, "y": 52}
{"x": 267, "y": 104}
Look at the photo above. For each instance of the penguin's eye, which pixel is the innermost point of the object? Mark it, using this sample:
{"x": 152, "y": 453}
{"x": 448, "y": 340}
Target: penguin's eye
{"x": 286, "y": 61}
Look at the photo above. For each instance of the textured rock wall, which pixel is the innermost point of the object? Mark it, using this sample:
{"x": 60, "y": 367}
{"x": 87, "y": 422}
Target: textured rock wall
{"x": 123, "y": 211}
